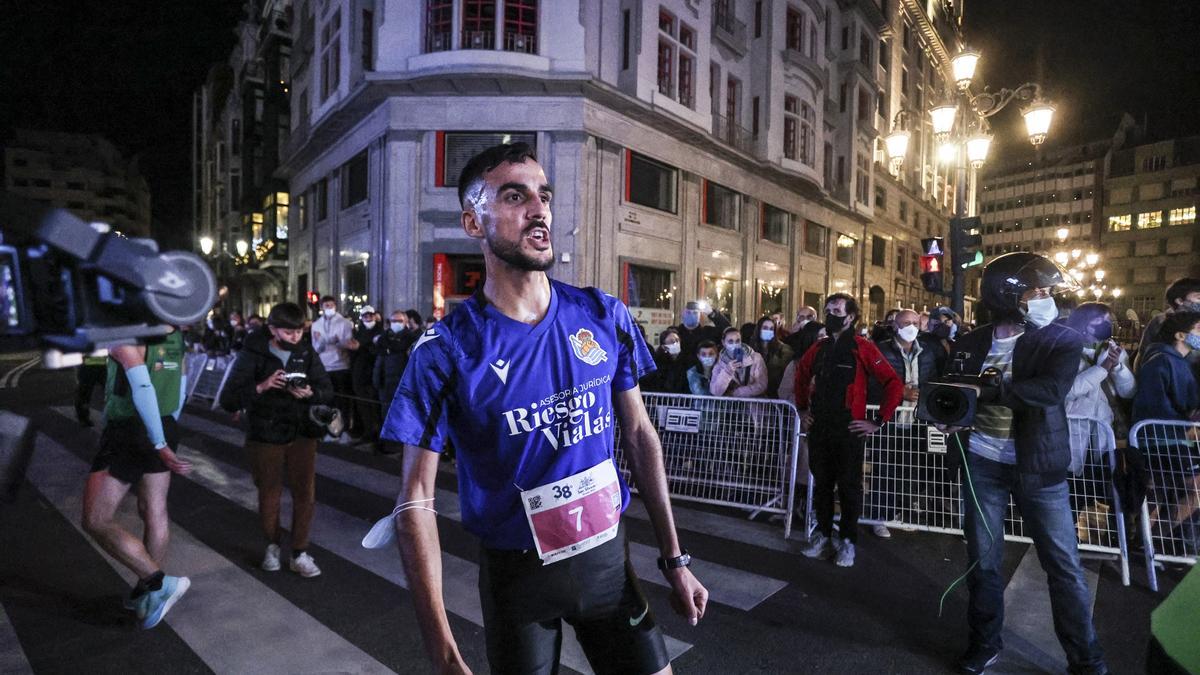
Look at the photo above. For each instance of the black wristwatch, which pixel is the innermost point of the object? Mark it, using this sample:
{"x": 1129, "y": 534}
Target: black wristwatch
{"x": 682, "y": 560}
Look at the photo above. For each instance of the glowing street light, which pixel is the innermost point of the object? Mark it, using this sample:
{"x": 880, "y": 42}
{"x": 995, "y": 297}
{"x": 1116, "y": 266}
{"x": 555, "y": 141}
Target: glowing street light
{"x": 963, "y": 66}
{"x": 1037, "y": 120}
{"x": 942, "y": 117}
{"x": 1062, "y": 233}
{"x": 897, "y": 147}
{"x": 977, "y": 149}
{"x": 242, "y": 247}
{"x": 206, "y": 245}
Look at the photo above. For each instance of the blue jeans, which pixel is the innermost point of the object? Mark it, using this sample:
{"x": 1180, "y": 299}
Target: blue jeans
{"x": 1046, "y": 511}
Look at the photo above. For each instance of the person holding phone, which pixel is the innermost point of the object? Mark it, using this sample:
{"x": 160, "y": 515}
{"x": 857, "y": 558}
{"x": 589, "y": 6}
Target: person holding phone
{"x": 276, "y": 378}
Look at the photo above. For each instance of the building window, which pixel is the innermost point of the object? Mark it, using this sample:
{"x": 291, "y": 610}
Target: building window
{"x": 368, "y": 40}
{"x": 878, "y": 251}
{"x": 758, "y": 16}
{"x": 651, "y": 183}
{"x": 1184, "y": 216}
{"x": 754, "y": 111}
{"x": 862, "y": 180}
{"x": 649, "y": 292}
{"x": 880, "y": 197}
{"x": 864, "y": 50}
{"x": 901, "y": 256}
{"x": 625, "y": 23}
{"x": 666, "y": 67}
{"x": 864, "y": 106}
{"x": 354, "y": 180}
{"x": 355, "y": 286}
{"x": 883, "y": 56}
{"x": 1149, "y": 220}
{"x": 846, "y": 246}
{"x": 1156, "y": 163}
{"x": 275, "y": 206}
{"x": 457, "y": 148}
{"x": 322, "y": 198}
{"x": 733, "y": 95}
{"x": 721, "y": 206}
{"x": 331, "y": 55}
{"x": 720, "y": 292}
{"x": 235, "y": 137}
{"x": 714, "y": 87}
{"x": 816, "y": 239}
{"x": 479, "y": 24}
{"x": 300, "y": 214}
{"x": 791, "y": 126}
{"x": 676, "y": 78}
{"x": 795, "y": 29}
{"x": 439, "y": 25}
{"x": 808, "y": 138}
{"x": 776, "y": 223}
{"x": 520, "y": 26}
{"x": 1120, "y": 223}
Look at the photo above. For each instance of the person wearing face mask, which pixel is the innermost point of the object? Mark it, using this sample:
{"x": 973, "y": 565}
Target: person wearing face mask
{"x": 691, "y": 333}
{"x": 739, "y": 372}
{"x": 362, "y": 367}
{"x": 237, "y": 331}
{"x": 842, "y": 365}
{"x": 1104, "y": 379}
{"x": 800, "y": 342}
{"x": 333, "y": 339}
{"x": 700, "y": 375}
{"x": 217, "y": 336}
{"x": 671, "y": 374}
{"x": 275, "y": 379}
{"x": 766, "y": 342}
{"x": 392, "y": 347}
{"x": 1019, "y": 447}
{"x": 943, "y": 325}
{"x": 1183, "y": 295}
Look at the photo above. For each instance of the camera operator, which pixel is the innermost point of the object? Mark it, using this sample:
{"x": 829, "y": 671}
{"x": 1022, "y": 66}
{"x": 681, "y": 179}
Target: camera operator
{"x": 144, "y": 393}
{"x": 1019, "y": 445}
{"x": 837, "y": 425}
{"x": 276, "y": 378}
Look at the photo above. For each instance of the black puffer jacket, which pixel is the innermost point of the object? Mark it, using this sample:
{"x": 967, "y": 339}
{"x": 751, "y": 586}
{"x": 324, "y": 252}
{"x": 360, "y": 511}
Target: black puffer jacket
{"x": 275, "y": 417}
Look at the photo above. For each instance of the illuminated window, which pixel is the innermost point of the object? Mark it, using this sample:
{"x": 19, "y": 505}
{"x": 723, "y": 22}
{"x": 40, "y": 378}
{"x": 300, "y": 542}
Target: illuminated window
{"x": 1119, "y": 223}
{"x": 775, "y": 224}
{"x": 1149, "y": 220}
{"x": 1184, "y": 216}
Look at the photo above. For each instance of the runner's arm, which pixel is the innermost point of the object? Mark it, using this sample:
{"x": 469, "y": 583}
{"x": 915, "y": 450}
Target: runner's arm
{"x": 644, "y": 454}
{"x": 132, "y": 358}
{"x": 421, "y": 553}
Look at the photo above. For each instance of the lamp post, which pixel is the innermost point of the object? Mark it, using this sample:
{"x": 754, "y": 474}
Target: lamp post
{"x": 960, "y": 127}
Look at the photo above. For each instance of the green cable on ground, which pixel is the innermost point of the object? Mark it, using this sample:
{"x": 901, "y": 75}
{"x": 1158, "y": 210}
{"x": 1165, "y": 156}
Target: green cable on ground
{"x": 992, "y": 537}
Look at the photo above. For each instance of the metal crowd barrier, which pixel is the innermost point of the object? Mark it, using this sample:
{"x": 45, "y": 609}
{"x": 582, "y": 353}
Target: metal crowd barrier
{"x": 738, "y": 452}
{"x": 193, "y": 365}
{"x": 212, "y": 375}
{"x": 907, "y": 484}
{"x": 1171, "y": 513}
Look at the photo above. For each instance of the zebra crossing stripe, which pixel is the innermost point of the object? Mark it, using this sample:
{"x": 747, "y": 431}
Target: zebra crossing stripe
{"x": 224, "y": 615}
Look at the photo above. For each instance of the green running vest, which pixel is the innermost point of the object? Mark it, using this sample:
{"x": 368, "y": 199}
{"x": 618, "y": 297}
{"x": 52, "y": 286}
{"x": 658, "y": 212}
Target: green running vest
{"x": 164, "y": 360}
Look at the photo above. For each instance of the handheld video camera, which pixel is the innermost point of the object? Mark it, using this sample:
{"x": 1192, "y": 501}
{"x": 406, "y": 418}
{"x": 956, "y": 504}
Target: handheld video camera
{"x": 70, "y": 288}
{"x": 954, "y": 398}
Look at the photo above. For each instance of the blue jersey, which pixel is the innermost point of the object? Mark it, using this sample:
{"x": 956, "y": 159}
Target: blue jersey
{"x": 523, "y": 405}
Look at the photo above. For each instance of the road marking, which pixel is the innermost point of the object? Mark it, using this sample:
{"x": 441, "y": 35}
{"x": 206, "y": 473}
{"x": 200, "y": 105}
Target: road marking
{"x": 13, "y": 377}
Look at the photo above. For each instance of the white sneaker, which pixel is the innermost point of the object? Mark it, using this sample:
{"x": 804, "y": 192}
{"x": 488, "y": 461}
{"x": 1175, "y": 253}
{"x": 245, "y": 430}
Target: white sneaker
{"x": 304, "y": 565}
{"x": 345, "y": 439}
{"x": 819, "y": 547}
{"x": 270, "y": 561}
{"x": 881, "y": 531}
{"x": 845, "y": 554}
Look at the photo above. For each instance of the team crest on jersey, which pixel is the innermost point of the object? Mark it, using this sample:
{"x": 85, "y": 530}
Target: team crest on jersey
{"x": 586, "y": 347}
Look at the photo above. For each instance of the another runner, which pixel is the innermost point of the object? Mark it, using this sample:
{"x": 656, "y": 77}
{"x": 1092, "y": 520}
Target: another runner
{"x": 526, "y": 380}
{"x": 138, "y": 447}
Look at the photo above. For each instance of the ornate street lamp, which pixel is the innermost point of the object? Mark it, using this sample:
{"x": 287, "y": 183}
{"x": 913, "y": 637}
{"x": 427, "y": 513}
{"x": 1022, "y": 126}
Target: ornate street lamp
{"x": 206, "y": 245}
{"x": 242, "y": 247}
{"x": 963, "y": 66}
{"x": 897, "y": 147}
{"x": 977, "y": 149}
{"x": 1037, "y": 120}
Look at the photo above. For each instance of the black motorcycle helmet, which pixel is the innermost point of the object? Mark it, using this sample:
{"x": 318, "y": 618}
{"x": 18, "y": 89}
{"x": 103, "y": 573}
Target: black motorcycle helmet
{"x": 1008, "y": 277}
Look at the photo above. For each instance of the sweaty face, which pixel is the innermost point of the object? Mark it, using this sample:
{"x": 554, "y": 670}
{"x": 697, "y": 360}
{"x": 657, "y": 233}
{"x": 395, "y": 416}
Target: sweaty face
{"x": 512, "y": 211}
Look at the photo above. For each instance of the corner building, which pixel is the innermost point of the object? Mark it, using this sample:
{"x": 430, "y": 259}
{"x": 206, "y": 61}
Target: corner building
{"x": 727, "y": 150}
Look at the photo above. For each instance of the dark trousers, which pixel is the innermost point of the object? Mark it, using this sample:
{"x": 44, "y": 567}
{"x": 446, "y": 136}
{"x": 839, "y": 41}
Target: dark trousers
{"x": 368, "y": 409}
{"x": 88, "y": 377}
{"x": 343, "y": 390}
{"x": 835, "y": 457}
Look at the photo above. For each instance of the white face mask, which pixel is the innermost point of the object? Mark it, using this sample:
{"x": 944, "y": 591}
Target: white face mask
{"x": 397, "y": 326}
{"x": 908, "y": 333}
{"x": 369, "y": 324}
{"x": 329, "y": 312}
{"x": 708, "y": 361}
{"x": 672, "y": 348}
{"x": 1041, "y": 311}
{"x": 766, "y": 335}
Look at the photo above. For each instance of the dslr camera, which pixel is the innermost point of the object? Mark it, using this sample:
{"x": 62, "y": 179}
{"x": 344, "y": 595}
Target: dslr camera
{"x": 954, "y": 398}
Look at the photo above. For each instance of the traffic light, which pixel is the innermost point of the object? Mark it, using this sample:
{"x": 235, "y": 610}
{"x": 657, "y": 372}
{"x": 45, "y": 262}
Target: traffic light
{"x": 967, "y": 241}
{"x": 313, "y": 298}
{"x": 932, "y": 251}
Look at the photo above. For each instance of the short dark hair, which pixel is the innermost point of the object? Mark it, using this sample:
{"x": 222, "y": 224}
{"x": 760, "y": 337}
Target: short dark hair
{"x": 1180, "y": 288}
{"x": 669, "y": 331}
{"x": 486, "y": 160}
{"x": 328, "y": 298}
{"x": 1177, "y": 322}
{"x": 286, "y": 315}
{"x": 414, "y": 315}
{"x": 705, "y": 344}
{"x": 851, "y": 303}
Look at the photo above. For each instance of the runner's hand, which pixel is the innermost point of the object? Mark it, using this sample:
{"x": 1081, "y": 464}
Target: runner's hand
{"x": 863, "y": 427}
{"x": 173, "y": 461}
{"x": 688, "y": 595}
{"x": 277, "y": 380}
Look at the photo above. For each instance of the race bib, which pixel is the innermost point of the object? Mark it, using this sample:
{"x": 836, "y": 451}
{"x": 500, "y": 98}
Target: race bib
{"x": 575, "y": 514}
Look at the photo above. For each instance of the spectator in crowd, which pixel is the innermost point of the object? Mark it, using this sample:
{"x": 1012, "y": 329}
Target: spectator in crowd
{"x": 803, "y": 316}
{"x": 254, "y": 322}
{"x": 700, "y": 375}
{"x": 944, "y": 325}
{"x": 237, "y": 330}
{"x": 800, "y": 342}
{"x": 916, "y": 358}
{"x": 392, "y": 347}
{"x": 217, "y": 336}
{"x": 275, "y": 380}
{"x": 883, "y": 330}
{"x": 1104, "y": 380}
{"x": 691, "y": 333}
{"x": 774, "y": 352}
{"x": 740, "y": 372}
{"x": 1167, "y": 390}
{"x": 333, "y": 339}
{"x": 362, "y": 370}
{"x": 747, "y": 332}
{"x": 1182, "y": 296}
{"x": 837, "y": 424}
{"x": 671, "y": 375}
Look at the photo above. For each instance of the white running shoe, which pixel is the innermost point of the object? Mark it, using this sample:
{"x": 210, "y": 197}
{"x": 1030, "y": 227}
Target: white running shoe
{"x": 845, "y": 554}
{"x": 881, "y": 531}
{"x": 270, "y": 561}
{"x": 304, "y": 565}
{"x": 819, "y": 547}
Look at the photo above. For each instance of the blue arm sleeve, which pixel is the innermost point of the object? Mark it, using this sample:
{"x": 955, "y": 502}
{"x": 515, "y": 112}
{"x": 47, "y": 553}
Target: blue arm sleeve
{"x": 182, "y": 397}
{"x": 146, "y": 403}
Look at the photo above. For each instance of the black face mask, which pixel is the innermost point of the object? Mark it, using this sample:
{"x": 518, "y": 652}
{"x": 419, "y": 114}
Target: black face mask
{"x": 1103, "y": 331}
{"x": 834, "y": 324}
{"x": 287, "y": 346}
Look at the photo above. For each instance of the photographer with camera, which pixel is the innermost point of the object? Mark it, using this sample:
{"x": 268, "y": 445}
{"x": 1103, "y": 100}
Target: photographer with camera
{"x": 280, "y": 383}
{"x": 837, "y": 425}
{"x": 1018, "y": 444}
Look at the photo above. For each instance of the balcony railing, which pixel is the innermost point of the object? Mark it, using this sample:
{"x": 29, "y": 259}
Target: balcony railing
{"x": 478, "y": 39}
{"x": 731, "y": 133}
{"x": 520, "y": 42}
{"x": 728, "y": 29}
{"x": 437, "y": 41}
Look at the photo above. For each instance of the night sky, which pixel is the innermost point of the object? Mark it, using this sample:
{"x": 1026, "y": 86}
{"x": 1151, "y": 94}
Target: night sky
{"x": 127, "y": 69}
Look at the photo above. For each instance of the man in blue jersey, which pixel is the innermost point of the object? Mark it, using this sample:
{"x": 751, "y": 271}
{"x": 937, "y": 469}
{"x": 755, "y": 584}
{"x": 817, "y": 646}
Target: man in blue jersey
{"x": 526, "y": 381}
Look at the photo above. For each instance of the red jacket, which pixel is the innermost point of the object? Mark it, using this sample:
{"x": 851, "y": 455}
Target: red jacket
{"x": 871, "y": 363}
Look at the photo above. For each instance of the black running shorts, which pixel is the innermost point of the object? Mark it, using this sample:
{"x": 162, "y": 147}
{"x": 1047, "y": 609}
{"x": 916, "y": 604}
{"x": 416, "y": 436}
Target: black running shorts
{"x": 596, "y": 592}
{"x": 126, "y": 452}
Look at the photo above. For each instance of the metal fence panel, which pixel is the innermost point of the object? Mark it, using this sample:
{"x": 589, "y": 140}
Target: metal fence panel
{"x": 1171, "y": 516}
{"x": 212, "y": 379}
{"x": 193, "y": 365}
{"x": 737, "y": 452}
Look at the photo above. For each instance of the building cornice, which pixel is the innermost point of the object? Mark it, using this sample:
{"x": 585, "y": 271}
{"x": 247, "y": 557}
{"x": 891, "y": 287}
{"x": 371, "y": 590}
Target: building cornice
{"x": 929, "y": 32}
